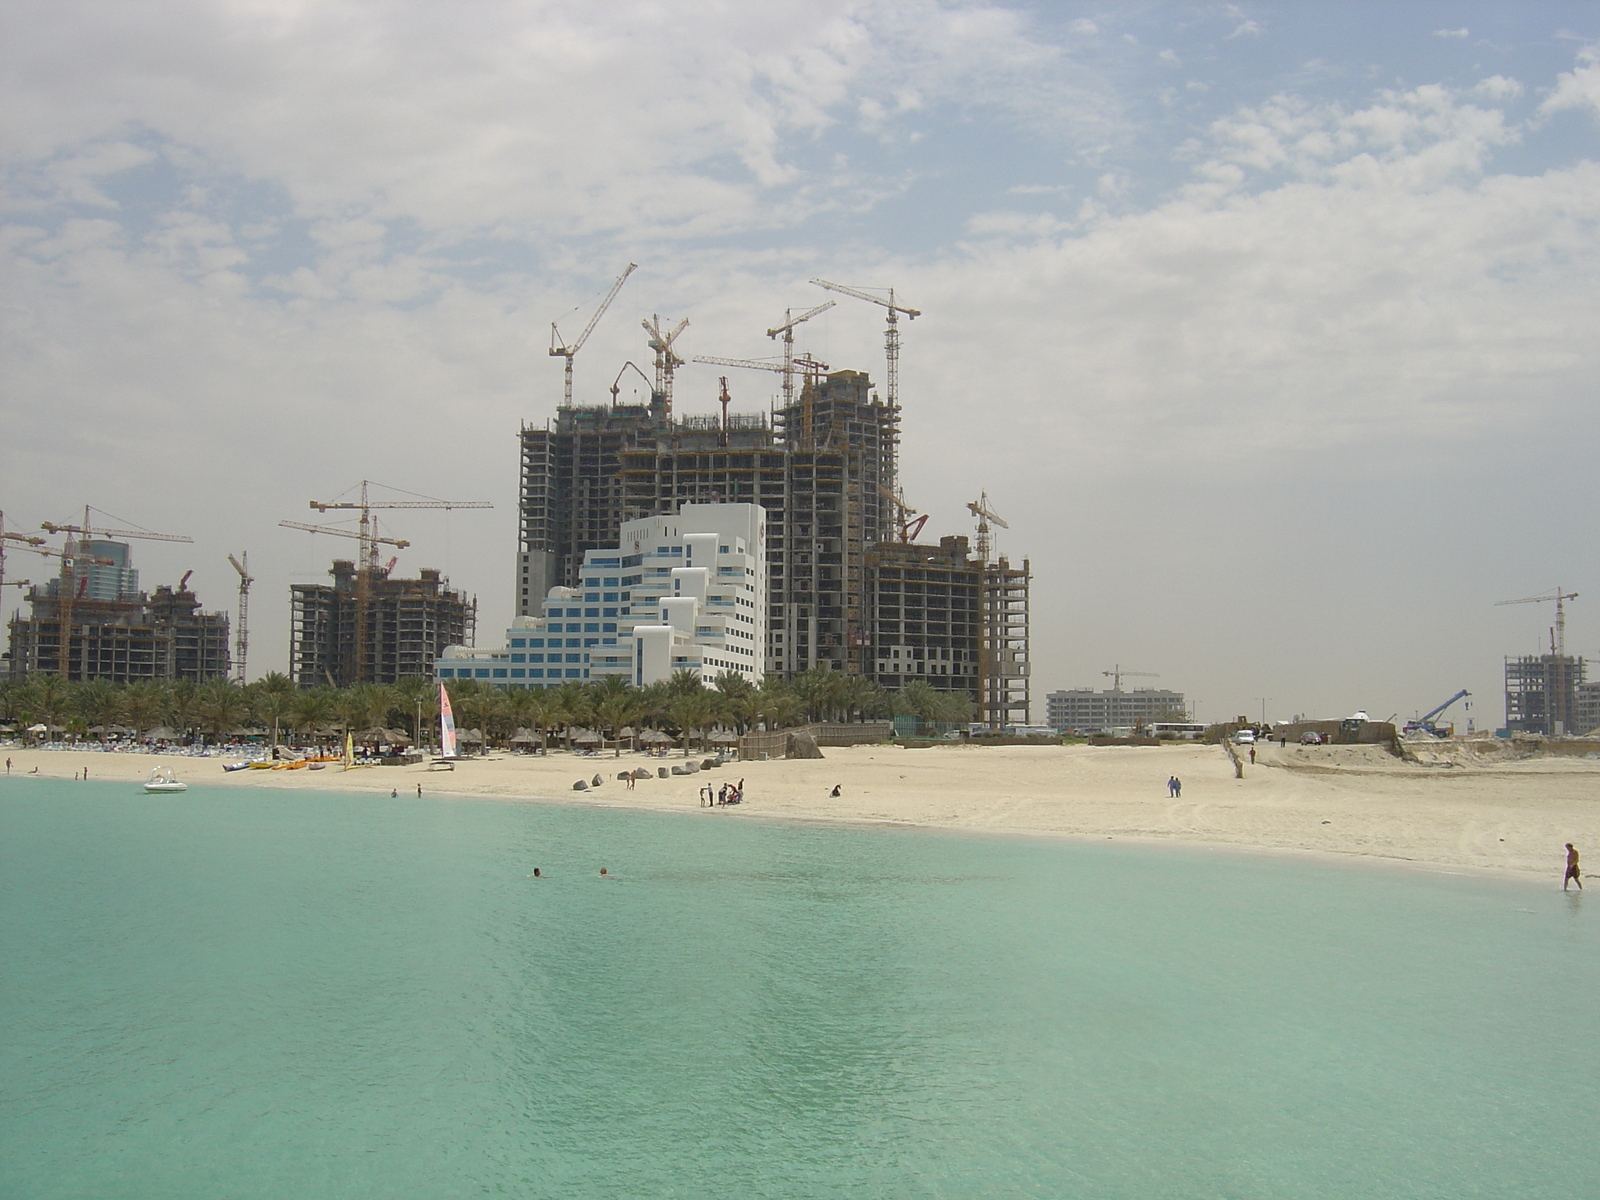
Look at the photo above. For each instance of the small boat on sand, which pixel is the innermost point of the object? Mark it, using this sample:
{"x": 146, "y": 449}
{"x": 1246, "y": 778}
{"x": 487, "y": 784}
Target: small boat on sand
{"x": 162, "y": 781}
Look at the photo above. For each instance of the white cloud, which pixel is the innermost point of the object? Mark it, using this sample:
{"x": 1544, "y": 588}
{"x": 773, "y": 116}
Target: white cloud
{"x": 1450, "y": 33}
{"x": 1498, "y": 87}
{"x": 1579, "y": 88}
{"x": 1245, "y": 29}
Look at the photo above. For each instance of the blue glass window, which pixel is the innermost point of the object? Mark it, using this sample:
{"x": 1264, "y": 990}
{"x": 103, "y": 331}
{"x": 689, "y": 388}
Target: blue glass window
{"x": 517, "y": 673}
{"x": 610, "y": 612}
{"x": 518, "y": 643}
{"x": 609, "y": 583}
{"x": 592, "y": 626}
{"x": 574, "y": 673}
{"x": 591, "y": 612}
{"x": 535, "y": 641}
{"x": 572, "y": 658}
{"x": 447, "y": 672}
{"x": 591, "y": 583}
{"x": 482, "y": 672}
{"x": 536, "y": 673}
{"x": 535, "y": 658}
{"x": 499, "y": 672}
{"x": 519, "y": 658}
{"x": 608, "y": 627}
{"x": 571, "y": 642}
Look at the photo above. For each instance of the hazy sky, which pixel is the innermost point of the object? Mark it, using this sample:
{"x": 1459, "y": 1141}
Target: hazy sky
{"x": 1271, "y": 329}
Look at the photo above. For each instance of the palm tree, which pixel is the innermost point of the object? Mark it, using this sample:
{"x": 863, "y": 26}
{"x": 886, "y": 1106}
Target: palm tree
{"x": 221, "y": 704}
{"x": 313, "y": 710}
{"x": 183, "y": 701}
{"x": 49, "y": 698}
{"x": 143, "y": 704}
{"x": 418, "y": 699}
{"x": 694, "y": 713}
{"x": 613, "y": 712}
{"x": 818, "y": 690}
{"x": 272, "y": 705}
{"x": 98, "y": 702}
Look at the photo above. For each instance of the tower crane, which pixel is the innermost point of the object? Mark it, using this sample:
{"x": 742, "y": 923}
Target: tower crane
{"x": 723, "y": 399}
{"x": 367, "y": 568}
{"x": 891, "y": 334}
{"x": 804, "y": 363}
{"x": 909, "y": 528}
{"x": 559, "y": 347}
{"x": 667, "y": 360}
{"x": 980, "y": 509}
{"x": 787, "y": 330}
{"x": 242, "y": 565}
{"x": 28, "y": 540}
{"x": 69, "y": 580}
{"x": 1558, "y": 710}
{"x": 1116, "y": 673}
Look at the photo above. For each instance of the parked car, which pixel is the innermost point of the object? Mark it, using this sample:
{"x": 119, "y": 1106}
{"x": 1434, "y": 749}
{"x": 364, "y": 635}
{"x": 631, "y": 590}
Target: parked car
{"x": 1245, "y": 737}
{"x": 1311, "y": 739}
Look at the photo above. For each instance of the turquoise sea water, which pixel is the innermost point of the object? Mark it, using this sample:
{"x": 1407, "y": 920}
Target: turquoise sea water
{"x": 238, "y": 993}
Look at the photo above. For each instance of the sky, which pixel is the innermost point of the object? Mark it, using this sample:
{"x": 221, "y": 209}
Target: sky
{"x": 1269, "y": 329}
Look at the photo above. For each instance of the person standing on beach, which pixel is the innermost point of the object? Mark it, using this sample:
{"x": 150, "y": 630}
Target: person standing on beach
{"x": 1573, "y": 875}
{"x": 1177, "y": 786}
{"x": 1172, "y": 785}
{"x": 1252, "y": 756}
{"x": 419, "y": 791}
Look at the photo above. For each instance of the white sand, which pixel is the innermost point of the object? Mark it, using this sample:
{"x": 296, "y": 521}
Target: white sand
{"x": 1340, "y": 800}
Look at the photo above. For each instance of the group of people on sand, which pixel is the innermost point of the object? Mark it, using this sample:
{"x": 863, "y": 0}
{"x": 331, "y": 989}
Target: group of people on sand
{"x": 728, "y": 793}
{"x": 1174, "y": 786}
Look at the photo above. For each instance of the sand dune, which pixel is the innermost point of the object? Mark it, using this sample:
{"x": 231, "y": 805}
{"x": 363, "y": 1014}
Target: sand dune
{"x": 1340, "y": 800}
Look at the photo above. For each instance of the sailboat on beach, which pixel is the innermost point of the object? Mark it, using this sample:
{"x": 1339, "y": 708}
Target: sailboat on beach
{"x": 447, "y": 727}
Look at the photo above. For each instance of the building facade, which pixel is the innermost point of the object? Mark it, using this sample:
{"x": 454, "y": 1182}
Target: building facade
{"x": 823, "y": 468}
{"x": 925, "y": 604}
{"x": 1586, "y": 709}
{"x": 679, "y": 592}
{"x": 1086, "y": 710}
{"x": 119, "y": 633}
{"x": 409, "y": 622}
{"x": 1542, "y": 694}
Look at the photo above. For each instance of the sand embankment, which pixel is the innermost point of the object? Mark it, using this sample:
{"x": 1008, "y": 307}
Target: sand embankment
{"x": 1339, "y": 800}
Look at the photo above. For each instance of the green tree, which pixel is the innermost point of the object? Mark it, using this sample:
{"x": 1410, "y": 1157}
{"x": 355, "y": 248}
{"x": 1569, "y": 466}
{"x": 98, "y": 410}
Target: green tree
{"x": 221, "y": 704}
{"x": 272, "y": 706}
{"x": 143, "y": 706}
{"x": 99, "y": 702}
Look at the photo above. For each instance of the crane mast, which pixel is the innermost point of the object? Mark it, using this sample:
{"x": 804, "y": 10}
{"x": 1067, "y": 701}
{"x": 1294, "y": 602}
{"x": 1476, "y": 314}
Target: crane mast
{"x": 891, "y": 333}
{"x": 242, "y": 641}
{"x": 560, "y": 349}
{"x": 1558, "y": 648}
{"x": 667, "y": 360}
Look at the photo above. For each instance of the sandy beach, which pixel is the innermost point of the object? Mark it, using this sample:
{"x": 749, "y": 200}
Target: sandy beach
{"x": 1335, "y": 800}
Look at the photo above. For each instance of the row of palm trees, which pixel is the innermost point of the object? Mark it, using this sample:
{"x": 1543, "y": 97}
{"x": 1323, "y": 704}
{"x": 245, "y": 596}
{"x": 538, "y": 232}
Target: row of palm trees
{"x": 681, "y": 706}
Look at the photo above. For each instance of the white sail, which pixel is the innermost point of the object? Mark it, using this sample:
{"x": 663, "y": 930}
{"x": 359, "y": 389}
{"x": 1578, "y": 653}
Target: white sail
{"x": 447, "y": 725}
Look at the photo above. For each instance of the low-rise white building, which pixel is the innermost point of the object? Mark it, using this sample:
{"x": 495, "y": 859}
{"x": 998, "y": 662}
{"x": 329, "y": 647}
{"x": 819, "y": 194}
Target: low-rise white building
{"x": 686, "y": 591}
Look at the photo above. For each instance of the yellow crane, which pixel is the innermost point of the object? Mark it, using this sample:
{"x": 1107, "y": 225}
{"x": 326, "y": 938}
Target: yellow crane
{"x": 70, "y": 583}
{"x": 667, "y": 360}
{"x": 559, "y": 348}
{"x": 891, "y": 334}
{"x": 787, "y": 330}
{"x": 28, "y": 540}
{"x": 1116, "y": 673}
{"x": 907, "y": 519}
{"x": 367, "y": 535}
{"x": 245, "y": 580}
{"x": 980, "y": 509}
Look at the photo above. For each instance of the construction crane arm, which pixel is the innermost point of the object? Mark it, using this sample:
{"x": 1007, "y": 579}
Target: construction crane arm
{"x": 1431, "y": 715}
{"x": 911, "y": 313}
{"x": 243, "y": 574}
{"x": 50, "y": 527}
{"x": 807, "y": 364}
{"x": 979, "y": 509}
{"x": 1556, "y": 595}
{"x": 26, "y": 539}
{"x": 324, "y": 506}
{"x": 347, "y": 533}
{"x": 555, "y": 336}
{"x": 805, "y": 316}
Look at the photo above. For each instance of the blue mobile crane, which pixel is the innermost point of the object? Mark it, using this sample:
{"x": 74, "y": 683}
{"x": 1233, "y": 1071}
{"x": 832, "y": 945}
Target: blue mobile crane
{"x": 1424, "y": 723}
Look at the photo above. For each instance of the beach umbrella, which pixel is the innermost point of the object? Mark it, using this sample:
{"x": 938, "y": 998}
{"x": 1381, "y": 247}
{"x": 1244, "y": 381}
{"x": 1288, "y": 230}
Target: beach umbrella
{"x": 162, "y": 733}
{"x": 723, "y": 737}
{"x": 470, "y": 736}
{"x": 38, "y": 729}
{"x": 588, "y": 737}
{"x": 523, "y": 737}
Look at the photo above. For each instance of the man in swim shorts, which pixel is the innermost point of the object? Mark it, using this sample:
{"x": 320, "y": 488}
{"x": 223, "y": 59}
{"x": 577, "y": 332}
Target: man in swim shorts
{"x": 1573, "y": 875}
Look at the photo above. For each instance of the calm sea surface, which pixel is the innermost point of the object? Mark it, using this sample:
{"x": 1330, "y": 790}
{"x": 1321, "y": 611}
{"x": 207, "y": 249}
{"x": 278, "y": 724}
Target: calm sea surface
{"x": 240, "y": 993}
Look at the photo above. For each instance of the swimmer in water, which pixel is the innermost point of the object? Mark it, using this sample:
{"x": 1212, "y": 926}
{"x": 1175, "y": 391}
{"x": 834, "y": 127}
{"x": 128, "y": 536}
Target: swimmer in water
{"x": 536, "y": 874}
{"x": 1573, "y": 875}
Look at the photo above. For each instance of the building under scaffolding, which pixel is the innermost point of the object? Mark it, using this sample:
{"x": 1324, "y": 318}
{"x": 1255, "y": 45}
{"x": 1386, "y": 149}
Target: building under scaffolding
{"x": 409, "y": 624}
{"x": 119, "y": 633}
{"x": 1542, "y": 694}
{"x": 820, "y": 467}
{"x": 923, "y": 603}
{"x": 1004, "y": 670}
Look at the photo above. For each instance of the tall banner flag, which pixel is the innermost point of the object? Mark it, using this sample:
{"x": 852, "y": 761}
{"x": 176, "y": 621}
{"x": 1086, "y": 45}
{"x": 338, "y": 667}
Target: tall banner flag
{"x": 447, "y": 725}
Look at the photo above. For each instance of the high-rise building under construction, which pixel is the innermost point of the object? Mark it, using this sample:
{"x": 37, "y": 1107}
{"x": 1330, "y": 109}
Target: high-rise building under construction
{"x": 823, "y": 468}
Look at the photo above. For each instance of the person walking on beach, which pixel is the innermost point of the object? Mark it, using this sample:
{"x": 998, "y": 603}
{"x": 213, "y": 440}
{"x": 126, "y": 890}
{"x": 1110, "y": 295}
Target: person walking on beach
{"x": 1573, "y": 875}
{"x": 1252, "y": 756}
{"x": 419, "y": 791}
{"x": 1172, "y": 785}
{"x": 1177, "y": 786}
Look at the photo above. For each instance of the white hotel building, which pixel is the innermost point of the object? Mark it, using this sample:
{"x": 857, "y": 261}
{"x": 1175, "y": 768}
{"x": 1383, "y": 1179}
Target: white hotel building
{"x": 685, "y": 592}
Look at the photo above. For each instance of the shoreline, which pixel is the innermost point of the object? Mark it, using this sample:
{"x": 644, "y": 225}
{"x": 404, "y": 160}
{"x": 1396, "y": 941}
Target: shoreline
{"x": 1338, "y": 803}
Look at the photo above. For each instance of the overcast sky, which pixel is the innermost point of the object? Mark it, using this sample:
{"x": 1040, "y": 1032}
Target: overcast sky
{"x": 1270, "y": 329}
